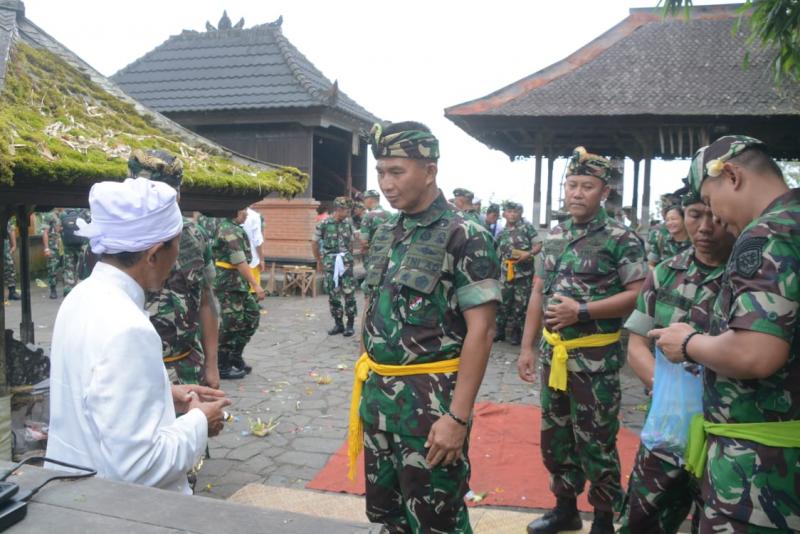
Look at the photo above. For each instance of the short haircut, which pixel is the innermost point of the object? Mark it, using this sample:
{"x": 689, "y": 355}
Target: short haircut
{"x": 757, "y": 160}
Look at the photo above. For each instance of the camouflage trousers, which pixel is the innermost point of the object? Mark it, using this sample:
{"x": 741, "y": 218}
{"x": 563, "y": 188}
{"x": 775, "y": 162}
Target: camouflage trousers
{"x": 240, "y": 317}
{"x": 660, "y": 496}
{"x": 188, "y": 370}
{"x": 53, "y": 267}
{"x": 713, "y": 522}
{"x": 406, "y": 496}
{"x": 72, "y": 255}
{"x": 511, "y": 313}
{"x": 9, "y": 272}
{"x": 346, "y": 289}
{"x": 579, "y": 437}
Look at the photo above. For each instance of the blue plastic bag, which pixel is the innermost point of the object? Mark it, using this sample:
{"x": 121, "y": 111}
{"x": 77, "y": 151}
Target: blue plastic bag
{"x": 677, "y": 397}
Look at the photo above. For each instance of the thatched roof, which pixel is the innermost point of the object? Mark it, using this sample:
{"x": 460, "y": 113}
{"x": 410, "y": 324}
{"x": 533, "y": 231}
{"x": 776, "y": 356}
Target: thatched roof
{"x": 63, "y": 125}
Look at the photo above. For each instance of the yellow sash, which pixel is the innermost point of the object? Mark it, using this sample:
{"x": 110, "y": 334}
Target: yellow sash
{"x": 510, "y": 270}
{"x": 558, "y": 364}
{"x": 257, "y": 275}
{"x": 170, "y": 359}
{"x": 225, "y": 265}
{"x": 365, "y": 364}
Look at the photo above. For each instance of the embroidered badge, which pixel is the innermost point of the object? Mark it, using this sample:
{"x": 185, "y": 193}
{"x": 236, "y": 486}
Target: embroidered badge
{"x": 415, "y": 303}
{"x": 749, "y": 255}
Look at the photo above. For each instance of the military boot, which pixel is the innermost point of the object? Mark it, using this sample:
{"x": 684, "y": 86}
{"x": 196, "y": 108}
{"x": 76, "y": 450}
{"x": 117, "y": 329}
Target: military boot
{"x": 338, "y": 328}
{"x": 53, "y": 293}
{"x": 231, "y": 373}
{"x": 515, "y": 338}
{"x": 563, "y": 517}
{"x": 603, "y": 523}
{"x": 500, "y": 335}
{"x": 348, "y": 331}
{"x": 12, "y": 293}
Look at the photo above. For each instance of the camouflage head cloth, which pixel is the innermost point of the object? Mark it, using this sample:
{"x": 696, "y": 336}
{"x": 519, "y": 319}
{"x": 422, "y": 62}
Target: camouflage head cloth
{"x": 413, "y": 144}
{"x": 156, "y": 165}
{"x": 371, "y": 193}
{"x": 709, "y": 161}
{"x": 466, "y": 193}
{"x": 343, "y": 202}
{"x": 493, "y": 208}
{"x": 510, "y": 205}
{"x": 582, "y": 163}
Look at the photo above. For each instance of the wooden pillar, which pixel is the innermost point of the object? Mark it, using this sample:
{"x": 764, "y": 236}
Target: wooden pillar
{"x": 26, "y": 321}
{"x": 646, "y": 194}
{"x": 548, "y": 214}
{"x": 4, "y": 214}
{"x": 537, "y": 192}
{"x": 349, "y": 172}
{"x": 635, "y": 202}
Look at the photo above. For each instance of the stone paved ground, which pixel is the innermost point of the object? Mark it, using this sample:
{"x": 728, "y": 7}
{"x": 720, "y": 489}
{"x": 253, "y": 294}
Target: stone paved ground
{"x": 289, "y": 354}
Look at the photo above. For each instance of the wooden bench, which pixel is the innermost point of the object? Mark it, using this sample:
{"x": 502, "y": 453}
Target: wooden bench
{"x": 299, "y": 277}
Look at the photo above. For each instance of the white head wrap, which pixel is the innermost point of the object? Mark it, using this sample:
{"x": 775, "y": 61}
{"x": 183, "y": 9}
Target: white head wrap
{"x": 131, "y": 216}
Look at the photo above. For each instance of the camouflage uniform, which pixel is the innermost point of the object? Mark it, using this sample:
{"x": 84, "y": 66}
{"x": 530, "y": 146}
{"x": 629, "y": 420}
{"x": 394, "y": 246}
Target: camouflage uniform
{"x": 654, "y": 235}
{"x": 175, "y": 310}
{"x": 517, "y": 291}
{"x": 337, "y": 238}
{"x": 660, "y": 491}
{"x": 54, "y": 262}
{"x": 586, "y": 262}
{"x": 372, "y": 219}
{"x": 72, "y": 252}
{"x": 9, "y": 271}
{"x": 751, "y": 487}
{"x": 240, "y": 313}
{"x": 666, "y": 247}
{"x": 425, "y": 270}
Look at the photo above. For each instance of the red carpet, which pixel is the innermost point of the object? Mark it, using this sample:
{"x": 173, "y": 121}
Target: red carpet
{"x": 505, "y": 455}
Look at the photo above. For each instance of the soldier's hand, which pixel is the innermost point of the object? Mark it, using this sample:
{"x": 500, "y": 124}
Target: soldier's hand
{"x": 211, "y": 377}
{"x": 670, "y": 340}
{"x": 445, "y": 442}
{"x": 48, "y": 252}
{"x": 526, "y": 364}
{"x": 562, "y": 314}
{"x": 260, "y": 295}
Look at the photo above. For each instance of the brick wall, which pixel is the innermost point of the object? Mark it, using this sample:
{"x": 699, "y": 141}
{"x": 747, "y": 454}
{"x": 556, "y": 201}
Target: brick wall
{"x": 289, "y": 225}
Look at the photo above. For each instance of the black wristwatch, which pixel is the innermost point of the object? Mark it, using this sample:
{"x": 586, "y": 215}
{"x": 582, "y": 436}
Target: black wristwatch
{"x": 583, "y": 313}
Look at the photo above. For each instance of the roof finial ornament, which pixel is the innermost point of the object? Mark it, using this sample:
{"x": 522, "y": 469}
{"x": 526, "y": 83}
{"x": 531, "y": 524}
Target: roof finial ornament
{"x": 277, "y": 22}
{"x": 210, "y": 27}
{"x": 333, "y": 93}
{"x": 225, "y": 22}
{"x": 239, "y": 25}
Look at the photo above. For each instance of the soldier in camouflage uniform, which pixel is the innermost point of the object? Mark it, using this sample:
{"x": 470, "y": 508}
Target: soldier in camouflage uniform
{"x": 374, "y": 217}
{"x": 53, "y": 249}
{"x": 358, "y": 215}
{"x": 74, "y": 246}
{"x": 184, "y": 312}
{"x": 462, "y": 198}
{"x": 332, "y": 244}
{"x": 750, "y": 474}
{"x": 516, "y": 246}
{"x": 681, "y": 289}
{"x": 672, "y": 241}
{"x": 9, "y": 271}
{"x": 591, "y": 273}
{"x": 433, "y": 279}
{"x": 491, "y": 220}
{"x": 232, "y": 285}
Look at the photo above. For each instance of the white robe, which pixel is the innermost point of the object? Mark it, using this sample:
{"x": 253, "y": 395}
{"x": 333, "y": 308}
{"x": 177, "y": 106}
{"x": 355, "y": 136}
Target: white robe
{"x": 111, "y": 404}
{"x": 252, "y": 227}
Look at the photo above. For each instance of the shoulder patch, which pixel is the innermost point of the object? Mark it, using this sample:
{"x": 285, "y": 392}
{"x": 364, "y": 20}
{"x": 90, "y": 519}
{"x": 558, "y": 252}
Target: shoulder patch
{"x": 748, "y": 256}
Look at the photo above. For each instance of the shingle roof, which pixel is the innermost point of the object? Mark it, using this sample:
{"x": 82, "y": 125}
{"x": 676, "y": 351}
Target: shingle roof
{"x": 232, "y": 69}
{"x": 651, "y": 65}
{"x": 62, "y": 123}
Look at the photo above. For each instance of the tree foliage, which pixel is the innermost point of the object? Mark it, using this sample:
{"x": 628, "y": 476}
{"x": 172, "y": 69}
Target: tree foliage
{"x": 771, "y": 22}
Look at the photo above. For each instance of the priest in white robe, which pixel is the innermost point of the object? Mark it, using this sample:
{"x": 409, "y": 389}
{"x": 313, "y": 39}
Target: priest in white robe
{"x": 112, "y": 405}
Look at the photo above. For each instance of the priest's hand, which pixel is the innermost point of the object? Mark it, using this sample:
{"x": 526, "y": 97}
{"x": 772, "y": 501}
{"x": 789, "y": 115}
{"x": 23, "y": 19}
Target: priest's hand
{"x": 184, "y": 394}
{"x": 445, "y": 442}
{"x": 214, "y": 413}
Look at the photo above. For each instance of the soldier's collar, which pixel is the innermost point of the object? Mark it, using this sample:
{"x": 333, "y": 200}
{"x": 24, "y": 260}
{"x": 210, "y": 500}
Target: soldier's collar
{"x": 682, "y": 261}
{"x": 598, "y": 221}
{"x": 432, "y": 214}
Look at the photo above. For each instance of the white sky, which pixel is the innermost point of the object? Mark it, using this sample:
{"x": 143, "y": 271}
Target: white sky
{"x": 400, "y": 60}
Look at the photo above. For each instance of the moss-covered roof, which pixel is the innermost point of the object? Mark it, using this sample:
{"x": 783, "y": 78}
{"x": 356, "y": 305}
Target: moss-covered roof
{"x": 59, "y": 127}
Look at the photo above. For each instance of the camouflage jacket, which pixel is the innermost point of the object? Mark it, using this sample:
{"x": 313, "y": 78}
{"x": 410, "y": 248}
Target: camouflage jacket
{"x": 590, "y": 262}
{"x": 52, "y": 222}
{"x": 678, "y": 290}
{"x": 210, "y": 225}
{"x": 334, "y": 237}
{"x": 760, "y": 293}
{"x": 472, "y": 216}
{"x": 521, "y": 236}
{"x": 175, "y": 310}
{"x": 425, "y": 270}
{"x": 230, "y": 246}
{"x": 371, "y": 221}
{"x": 653, "y": 235}
{"x": 666, "y": 247}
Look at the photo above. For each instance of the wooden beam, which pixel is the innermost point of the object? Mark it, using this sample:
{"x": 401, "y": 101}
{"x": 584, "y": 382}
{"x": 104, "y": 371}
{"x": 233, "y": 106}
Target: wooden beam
{"x": 26, "y": 320}
{"x": 635, "y": 202}
{"x": 548, "y": 214}
{"x": 537, "y": 192}
{"x": 646, "y": 194}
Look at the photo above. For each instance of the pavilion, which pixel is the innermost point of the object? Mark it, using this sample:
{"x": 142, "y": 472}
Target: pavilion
{"x": 650, "y": 87}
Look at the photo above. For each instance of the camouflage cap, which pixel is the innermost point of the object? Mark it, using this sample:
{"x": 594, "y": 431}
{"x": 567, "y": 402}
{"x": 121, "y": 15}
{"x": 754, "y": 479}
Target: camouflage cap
{"x": 156, "y": 165}
{"x": 371, "y": 193}
{"x": 583, "y": 163}
{"x": 687, "y": 195}
{"x": 493, "y": 208}
{"x": 709, "y": 161}
{"x": 466, "y": 193}
{"x": 511, "y": 205}
{"x": 358, "y": 205}
{"x": 413, "y": 144}
{"x": 343, "y": 202}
